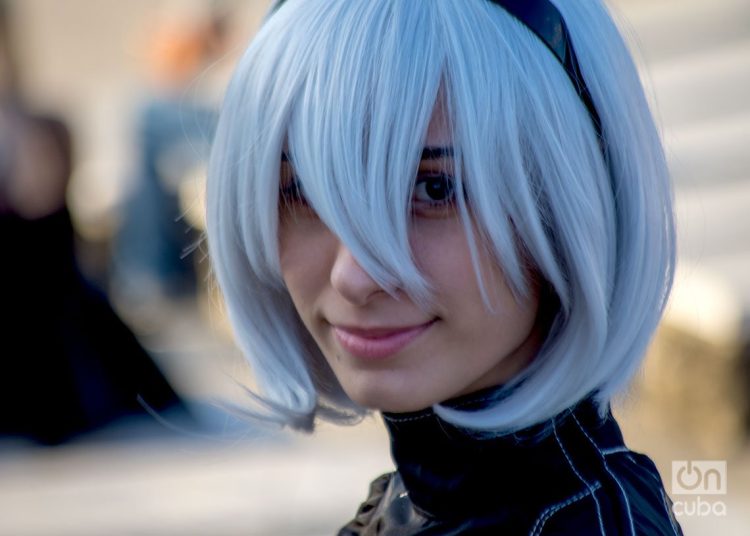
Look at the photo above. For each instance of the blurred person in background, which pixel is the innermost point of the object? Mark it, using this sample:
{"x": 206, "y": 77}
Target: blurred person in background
{"x": 153, "y": 258}
{"x": 456, "y": 213}
{"x": 69, "y": 365}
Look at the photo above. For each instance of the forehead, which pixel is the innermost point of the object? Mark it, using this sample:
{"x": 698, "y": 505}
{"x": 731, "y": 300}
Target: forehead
{"x": 438, "y": 130}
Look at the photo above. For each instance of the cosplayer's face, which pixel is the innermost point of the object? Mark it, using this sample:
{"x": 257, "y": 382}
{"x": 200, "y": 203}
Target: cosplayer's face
{"x": 387, "y": 353}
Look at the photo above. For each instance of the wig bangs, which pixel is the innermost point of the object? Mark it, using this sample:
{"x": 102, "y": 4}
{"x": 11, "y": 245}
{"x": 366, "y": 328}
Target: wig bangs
{"x": 353, "y": 89}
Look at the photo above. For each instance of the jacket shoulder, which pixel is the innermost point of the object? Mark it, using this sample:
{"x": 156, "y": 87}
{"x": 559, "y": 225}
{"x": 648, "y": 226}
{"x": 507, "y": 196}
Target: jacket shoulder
{"x": 629, "y": 499}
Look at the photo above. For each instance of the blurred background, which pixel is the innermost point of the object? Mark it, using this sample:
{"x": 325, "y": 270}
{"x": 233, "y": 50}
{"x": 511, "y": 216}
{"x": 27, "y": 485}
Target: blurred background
{"x": 114, "y": 345}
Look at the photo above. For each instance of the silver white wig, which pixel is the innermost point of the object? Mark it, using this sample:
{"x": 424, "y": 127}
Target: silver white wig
{"x": 349, "y": 86}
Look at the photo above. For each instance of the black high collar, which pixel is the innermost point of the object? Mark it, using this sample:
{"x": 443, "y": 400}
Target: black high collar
{"x": 449, "y": 471}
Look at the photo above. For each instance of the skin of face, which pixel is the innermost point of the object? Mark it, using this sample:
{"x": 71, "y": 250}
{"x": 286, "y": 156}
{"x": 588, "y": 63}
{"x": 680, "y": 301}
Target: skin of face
{"x": 459, "y": 348}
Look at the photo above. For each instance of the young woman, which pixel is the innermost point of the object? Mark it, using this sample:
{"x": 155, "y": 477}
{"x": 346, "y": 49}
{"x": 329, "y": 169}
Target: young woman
{"x": 455, "y": 212}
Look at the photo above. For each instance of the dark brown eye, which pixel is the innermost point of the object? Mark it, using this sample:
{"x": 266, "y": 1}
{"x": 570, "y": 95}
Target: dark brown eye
{"x": 434, "y": 195}
{"x": 434, "y": 188}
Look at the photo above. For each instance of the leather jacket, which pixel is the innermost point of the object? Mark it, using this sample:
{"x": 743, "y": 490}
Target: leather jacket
{"x": 570, "y": 475}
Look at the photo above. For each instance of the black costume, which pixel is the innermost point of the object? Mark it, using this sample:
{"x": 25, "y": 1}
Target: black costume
{"x": 69, "y": 364}
{"x": 570, "y": 475}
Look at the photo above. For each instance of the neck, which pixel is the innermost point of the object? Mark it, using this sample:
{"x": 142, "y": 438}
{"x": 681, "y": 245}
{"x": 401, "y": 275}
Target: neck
{"x": 449, "y": 469}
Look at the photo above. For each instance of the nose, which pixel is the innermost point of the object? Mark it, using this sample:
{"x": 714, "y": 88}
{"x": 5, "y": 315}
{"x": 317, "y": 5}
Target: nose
{"x": 350, "y": 280}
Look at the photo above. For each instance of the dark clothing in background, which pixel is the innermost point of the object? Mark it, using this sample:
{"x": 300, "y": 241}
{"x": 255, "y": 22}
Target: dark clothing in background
{"x": 572, "y": 475}
{"x": 68, "y": 362}
{"x": 154, "y": 244}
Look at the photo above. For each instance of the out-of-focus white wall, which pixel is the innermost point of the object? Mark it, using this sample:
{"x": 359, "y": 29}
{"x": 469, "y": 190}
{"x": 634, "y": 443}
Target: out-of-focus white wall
{"x": 87, "y": 60}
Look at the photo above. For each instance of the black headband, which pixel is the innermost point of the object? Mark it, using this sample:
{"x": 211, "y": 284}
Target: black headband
{"x": 547, "y": 23}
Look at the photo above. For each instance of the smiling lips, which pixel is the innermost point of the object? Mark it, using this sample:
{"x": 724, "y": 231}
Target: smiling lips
{"x": 377, "y": 343}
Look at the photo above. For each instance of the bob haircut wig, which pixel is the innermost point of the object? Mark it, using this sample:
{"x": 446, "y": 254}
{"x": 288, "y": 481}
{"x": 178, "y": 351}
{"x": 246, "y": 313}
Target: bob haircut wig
{"x": 346, "y": 88}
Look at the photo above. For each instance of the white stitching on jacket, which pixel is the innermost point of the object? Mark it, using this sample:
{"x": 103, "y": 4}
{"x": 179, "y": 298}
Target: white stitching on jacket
{"x": 606, "y": 468}
{"x": 536, "y": 530}
{"x": 593, "y": 495}
{"x": 614, "y": 450}
{"x": 426, "y": 415}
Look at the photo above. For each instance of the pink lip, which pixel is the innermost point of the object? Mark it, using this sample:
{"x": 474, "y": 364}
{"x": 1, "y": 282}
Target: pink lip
{"x": 377, "y": 343}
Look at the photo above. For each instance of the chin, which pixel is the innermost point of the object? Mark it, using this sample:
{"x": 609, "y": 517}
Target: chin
{"x": 390, "y": 402}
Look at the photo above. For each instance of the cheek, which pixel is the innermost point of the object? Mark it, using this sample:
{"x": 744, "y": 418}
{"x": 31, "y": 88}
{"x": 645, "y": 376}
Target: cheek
{"x": 440, "y": 249}
{"x": 303, "y": 254}
{"x": 441, "y": 252}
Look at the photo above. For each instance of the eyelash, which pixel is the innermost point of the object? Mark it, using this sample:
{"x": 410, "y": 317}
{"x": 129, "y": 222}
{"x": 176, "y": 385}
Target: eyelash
{"x": 447, "y": 182}
{"x": 292, "y": 193}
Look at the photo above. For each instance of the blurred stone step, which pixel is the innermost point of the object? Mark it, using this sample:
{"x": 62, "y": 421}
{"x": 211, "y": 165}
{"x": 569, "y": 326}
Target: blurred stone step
{"x": 713, "y": 221}
{"x": 702, "y": 86}
{"x": 709, "y": 153}
{"x": 671, "y": 28}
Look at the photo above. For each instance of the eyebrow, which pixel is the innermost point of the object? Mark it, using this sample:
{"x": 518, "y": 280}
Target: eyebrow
{"x": 428, "y": 153}
{"x": 433, "y": 153}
